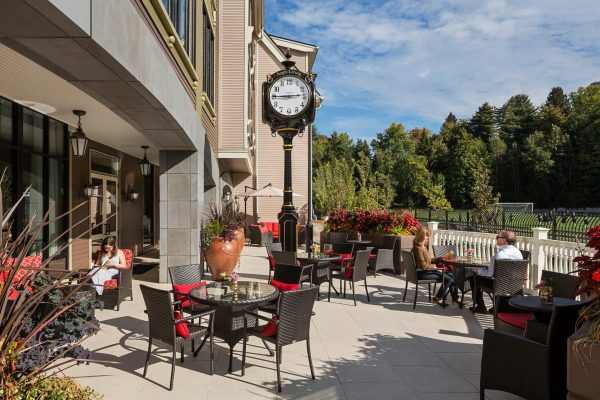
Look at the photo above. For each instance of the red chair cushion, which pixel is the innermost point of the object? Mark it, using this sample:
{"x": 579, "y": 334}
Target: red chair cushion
{"x": 269, "y": 329}
{"x": 272, "y": 263}
{"x": 284, "y": 287}
{"x": 185, "y": 301}
{"x": 263, "y": 227}
{"x": 28, "y": 262}
{"x": 275, "y": 228}
{"x": 372, "y": 256}
{"x": 111, "y": 284}
{"x": 343, "y": 260}
{"x": 515, "y": 319}
{"x": 181, "y": 328}
{"x": 348, "y": 273}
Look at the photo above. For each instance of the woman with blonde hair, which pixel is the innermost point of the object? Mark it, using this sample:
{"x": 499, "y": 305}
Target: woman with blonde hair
{"x": 425, "y": 270}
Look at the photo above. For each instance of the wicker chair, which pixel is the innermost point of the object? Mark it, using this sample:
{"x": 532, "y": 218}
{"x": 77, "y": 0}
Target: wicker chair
{"x": 288, "y": 258}
{"x": 512, "y": 320}
{"x": 162, "y": 323}
{"x": 338, "y": 237}
{"x": 294, "y": 311}
{"x": 507, "y": 279}
{"x": 289, "y": 274}
{"x": 355, "y": 273}
{"x": 383, "y": 261}
{"x": 525, "y": 367}
{"x": 271, "y": 247}
{"x": 460, "y": 275}
{"x": 187, "y": 275}
{"x": 526, "y": 254}
{"x": 413, "y": 277}
{"x": 259, "y": 237}
{"x": 113, "y": 295}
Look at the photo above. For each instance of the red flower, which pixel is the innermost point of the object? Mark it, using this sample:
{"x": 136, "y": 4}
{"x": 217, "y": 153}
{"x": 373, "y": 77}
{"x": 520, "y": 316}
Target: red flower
{"x": 596, "y": 275}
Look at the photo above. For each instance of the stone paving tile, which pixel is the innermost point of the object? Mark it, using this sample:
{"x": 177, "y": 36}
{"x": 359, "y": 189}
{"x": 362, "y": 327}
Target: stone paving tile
{"x": 382, "y": 349}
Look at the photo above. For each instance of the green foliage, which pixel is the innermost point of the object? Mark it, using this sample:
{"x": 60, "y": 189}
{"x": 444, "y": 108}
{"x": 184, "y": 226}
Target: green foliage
{"x": 48, "y": 388}
{"x": 221, "y": 223}
{"x": 334, "y": 186}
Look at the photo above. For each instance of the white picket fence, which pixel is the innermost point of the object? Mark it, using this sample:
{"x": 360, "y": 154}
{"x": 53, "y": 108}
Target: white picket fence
{"x": 553, "y": 255}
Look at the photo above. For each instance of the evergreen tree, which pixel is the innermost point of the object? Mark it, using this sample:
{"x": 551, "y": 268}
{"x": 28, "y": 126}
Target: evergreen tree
{"x": 482, "y": 124}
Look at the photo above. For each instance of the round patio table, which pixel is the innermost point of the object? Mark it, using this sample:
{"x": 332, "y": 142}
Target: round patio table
{"x": 321, "y": 266}
{"x": 541, "y": 311}
{"x": 229, "y": 307}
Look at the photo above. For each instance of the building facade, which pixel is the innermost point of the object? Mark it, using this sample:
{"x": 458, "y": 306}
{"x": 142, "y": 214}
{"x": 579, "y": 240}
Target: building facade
{"x": 182, "y": 77}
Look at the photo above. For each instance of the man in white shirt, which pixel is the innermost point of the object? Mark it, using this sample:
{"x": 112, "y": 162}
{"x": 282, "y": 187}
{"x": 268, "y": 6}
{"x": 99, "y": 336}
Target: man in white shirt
{"x": 506, "y": 250}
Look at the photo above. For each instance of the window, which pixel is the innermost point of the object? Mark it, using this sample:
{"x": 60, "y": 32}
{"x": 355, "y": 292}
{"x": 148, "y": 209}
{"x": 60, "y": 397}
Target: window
{"x": 182, "y": 14}
{"x": 208, "y": 66}
{"x": 33, "y": 149}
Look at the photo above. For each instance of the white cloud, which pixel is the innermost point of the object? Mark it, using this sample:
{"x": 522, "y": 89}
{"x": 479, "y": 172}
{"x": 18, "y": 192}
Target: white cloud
{"x": 419, "y": 60}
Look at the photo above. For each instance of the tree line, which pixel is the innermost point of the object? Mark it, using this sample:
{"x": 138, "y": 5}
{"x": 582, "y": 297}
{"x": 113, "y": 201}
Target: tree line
{"x": 548, "y": 155}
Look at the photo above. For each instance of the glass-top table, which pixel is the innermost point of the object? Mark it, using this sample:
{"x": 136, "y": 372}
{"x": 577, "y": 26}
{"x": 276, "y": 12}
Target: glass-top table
{"x": 230, "y": 300}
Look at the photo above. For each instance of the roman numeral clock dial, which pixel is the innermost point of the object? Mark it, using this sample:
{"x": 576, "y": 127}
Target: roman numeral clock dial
{"x": 288, "y": 96}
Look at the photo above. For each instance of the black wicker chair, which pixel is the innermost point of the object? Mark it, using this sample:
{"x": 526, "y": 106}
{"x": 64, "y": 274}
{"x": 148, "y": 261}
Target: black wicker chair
{"x": 563, "y": 285}
{"x": 187, "y": 275}
{"x": 460, "y": 275}
{"x": 383, "y": 261}
{"x": 526, "y": 254}
{"x": 288, "y": 274}
{"x": 359, "y": 273}
{"x": 413, "y": 277}
{"x": 338, "y": 237}
{"x": 294, "y": 311}
{"x": 271, "y": 247}
{"x": 258, "y": 237}
{"x": 162, "y": 326}
{"x": 525, "y": 367}
{"x": 507, "y": 280}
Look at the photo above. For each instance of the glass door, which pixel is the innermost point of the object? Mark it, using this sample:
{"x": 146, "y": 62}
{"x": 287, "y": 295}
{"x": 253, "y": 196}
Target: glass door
{"x": 103, "y": 209}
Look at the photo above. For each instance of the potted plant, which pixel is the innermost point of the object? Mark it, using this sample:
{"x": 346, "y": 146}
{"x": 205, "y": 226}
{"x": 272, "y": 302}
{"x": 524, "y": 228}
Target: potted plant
{"x": 583, "y": 360}
{"x": 222, "y": 239}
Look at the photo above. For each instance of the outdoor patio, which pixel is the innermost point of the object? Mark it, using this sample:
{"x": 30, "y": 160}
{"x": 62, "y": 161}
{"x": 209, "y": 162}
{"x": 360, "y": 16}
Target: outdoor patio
{"x": 380, "y": 350}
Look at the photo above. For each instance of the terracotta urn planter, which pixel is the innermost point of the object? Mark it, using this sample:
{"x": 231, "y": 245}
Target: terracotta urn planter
{"x": 222, "y": 257}
{"x": 583, "y": 367}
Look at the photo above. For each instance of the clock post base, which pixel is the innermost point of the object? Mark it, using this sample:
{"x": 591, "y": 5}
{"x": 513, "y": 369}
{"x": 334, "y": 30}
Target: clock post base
{"x": 288, "y": 233}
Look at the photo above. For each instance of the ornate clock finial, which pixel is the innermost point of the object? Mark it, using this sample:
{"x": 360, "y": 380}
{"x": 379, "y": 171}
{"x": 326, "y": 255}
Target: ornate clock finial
{"x": 288, "y": 63}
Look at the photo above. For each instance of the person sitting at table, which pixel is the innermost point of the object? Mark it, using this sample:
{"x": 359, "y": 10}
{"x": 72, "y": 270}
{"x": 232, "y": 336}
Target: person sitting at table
{"x": 506, "y": 241}
{"x": 109, "y": 260}
{"x": 425, "y": 270}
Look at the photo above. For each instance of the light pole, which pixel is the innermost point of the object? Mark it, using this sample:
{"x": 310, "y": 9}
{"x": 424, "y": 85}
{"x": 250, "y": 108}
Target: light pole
{"x": 288, "y": 217}
{"x": 309, "y": 224}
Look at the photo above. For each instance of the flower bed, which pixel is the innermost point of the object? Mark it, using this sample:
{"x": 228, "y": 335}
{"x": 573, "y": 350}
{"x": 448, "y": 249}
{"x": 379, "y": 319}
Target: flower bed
{"x": 372, "y": 221}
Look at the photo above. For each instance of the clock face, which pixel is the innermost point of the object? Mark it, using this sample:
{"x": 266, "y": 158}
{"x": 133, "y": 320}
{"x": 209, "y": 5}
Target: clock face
{"x": 289, "y": 95}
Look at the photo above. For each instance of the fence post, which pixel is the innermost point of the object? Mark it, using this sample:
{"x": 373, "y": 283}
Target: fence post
{"x": 435, "y": 236}
{"x": 447, "y": 227}
{"x": 538, "y": 255}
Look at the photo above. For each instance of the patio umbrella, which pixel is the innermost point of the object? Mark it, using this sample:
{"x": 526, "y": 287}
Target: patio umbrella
{"x": 267, "y": 191}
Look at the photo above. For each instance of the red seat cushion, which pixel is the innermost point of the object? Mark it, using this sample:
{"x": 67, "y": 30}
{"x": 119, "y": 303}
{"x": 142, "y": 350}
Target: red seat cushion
{"x": 181, "y": 328}
{"x": 372, "y": 256}
{"x": 269, "y": 329}
{"x": 128, "y": 257}
{"x": 263, "y": 227}
{"x": 111, "y": 284}
{"x": 185, "y": 289}
{"x": 348, "y": 273}
{"x": 515, "y": 319}
{"x": 345, "y": 257}
{"x": 284, "y": 287}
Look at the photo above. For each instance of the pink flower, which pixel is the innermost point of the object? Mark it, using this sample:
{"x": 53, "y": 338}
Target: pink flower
{"x": 234, "y": 276}
{"x": 470, "y": 251}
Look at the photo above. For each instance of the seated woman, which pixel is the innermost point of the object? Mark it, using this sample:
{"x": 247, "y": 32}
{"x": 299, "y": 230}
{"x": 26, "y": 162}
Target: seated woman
{"x": 109, "y": 260}
{"x": 427, "y": 271}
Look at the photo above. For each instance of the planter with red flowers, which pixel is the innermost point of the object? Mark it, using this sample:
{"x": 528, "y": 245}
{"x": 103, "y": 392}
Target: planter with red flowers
{"x": 583, "y": 352}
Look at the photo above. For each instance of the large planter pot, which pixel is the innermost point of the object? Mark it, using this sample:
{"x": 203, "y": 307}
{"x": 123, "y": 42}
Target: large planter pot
{"x": 221, "y": 257}
{"x": 583, "y": 367}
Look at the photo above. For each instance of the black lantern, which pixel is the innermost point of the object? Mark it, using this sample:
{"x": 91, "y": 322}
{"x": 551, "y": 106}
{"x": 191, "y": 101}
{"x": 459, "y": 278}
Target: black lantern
{"x": 78, "y": 139}
{"x": 227, "y": 195}
{"x": 145, "y": 165}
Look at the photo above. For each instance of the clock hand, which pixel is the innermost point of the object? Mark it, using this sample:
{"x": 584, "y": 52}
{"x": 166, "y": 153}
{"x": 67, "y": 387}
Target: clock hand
{"x": 285, "y": 96}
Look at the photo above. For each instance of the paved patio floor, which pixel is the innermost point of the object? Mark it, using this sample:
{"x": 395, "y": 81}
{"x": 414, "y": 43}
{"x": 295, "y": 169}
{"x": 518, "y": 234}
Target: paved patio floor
{"x": 378, "y": 350}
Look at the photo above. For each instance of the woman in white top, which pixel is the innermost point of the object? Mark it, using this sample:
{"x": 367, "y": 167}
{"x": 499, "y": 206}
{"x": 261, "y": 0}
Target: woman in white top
{"x": 109, "y": 260}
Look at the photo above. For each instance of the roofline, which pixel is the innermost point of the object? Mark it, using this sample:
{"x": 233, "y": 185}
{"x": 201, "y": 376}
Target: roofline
{"x": 310, "y": 49}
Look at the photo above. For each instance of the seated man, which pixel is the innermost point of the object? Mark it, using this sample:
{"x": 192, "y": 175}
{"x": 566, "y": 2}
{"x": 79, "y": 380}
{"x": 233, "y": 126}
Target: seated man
{"x": 507, "y": 250}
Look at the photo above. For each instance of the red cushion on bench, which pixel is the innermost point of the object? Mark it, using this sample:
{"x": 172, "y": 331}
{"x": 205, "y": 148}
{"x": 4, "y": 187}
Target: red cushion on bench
{"x": 515, "y": 319}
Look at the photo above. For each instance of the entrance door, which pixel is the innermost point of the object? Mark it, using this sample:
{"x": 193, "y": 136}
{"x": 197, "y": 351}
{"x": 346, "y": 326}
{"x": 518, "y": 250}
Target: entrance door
{"x": 103, "y": 209}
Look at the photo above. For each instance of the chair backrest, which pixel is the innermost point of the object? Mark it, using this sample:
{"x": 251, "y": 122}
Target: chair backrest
{"x": 160, "y": 314}
{"x": 271, "y": 247}
{"x": 342, "y": 248}
{"x": 288, "y": 273}
{"x": 338, "y": 237}
{"x": 361, "y": 262}
{"x": 186, "y": 274}
{"x": 526, "y": 254}
{"x": 508, "y": 276}
{"x": 284, "y": 257}
{"x": 389, "y": 242}
{"x": 410, "y": 265}
{"x": 440, "y": 250}
{"x": 563, "y": 285}
{"x": 295, "y": 310}
{"x": 385, "y": 258}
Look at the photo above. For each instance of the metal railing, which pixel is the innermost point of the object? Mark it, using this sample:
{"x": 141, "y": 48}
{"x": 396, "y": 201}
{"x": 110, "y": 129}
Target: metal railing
{"x": 569, "y": 226}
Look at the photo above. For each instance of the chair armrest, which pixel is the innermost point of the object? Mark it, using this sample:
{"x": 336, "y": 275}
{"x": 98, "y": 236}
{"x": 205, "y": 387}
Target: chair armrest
{"x": 258, "y": 316}
{"x": 192, "y": 317}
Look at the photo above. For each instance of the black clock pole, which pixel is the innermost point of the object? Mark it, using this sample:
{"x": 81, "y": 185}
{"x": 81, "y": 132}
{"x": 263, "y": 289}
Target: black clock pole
{"x": 288, "y": 217}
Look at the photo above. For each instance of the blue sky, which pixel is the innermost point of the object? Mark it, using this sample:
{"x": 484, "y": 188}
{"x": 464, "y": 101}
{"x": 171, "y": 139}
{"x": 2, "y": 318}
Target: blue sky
{"x": 383, "y": 61}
